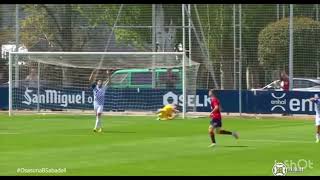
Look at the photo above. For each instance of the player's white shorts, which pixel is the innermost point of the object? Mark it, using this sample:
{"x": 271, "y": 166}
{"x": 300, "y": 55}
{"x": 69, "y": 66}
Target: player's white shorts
{"x": 98, "y": 108}
{"x": 317, "y": 121}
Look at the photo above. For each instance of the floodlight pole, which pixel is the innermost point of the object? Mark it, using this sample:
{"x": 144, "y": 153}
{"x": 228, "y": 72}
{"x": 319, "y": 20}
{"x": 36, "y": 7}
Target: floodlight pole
{"x": 189, "y": 32}
{"x": 291, "y": 47}
{"x": 278, "y": 15}
{"x": 317, "y": 19}
{"x": 154, "y": 46}
{"x": 317, "y": 12}
{"x": 184, "y": 104}
{"x": 10, "y": 84}
{"x": 17, "y": 46}
{"x": 240, "y": 60}
{"x": 234, "y": 48}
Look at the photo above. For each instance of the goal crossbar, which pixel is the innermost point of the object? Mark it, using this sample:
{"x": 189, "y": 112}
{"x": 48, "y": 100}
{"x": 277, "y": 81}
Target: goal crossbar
{"x": 97, "y": 53}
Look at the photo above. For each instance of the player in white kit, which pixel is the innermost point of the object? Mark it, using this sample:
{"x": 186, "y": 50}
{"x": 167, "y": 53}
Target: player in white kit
{"x": 316, "y": 100}
{"x": 99, "y": 89}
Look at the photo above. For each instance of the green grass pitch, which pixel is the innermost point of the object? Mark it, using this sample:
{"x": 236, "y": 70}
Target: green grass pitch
{"x": 145, "y": 146}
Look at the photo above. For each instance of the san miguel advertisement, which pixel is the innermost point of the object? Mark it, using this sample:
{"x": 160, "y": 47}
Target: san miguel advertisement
{"x": 264, "y": 102}
{"x": 59, "y": 98}
{"x": 50, "y": 98}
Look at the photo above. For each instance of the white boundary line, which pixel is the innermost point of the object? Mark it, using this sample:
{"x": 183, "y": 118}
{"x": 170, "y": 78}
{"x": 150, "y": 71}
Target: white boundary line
{"x": 12, "y": 133}
{"x": 276, "y": 141}
{"x": 150, "y": 113}
{"x": 7, "y": 133}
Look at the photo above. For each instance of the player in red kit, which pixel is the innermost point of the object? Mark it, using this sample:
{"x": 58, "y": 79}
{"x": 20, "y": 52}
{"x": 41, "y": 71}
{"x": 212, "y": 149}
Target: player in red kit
{"x": 216, "y": 121}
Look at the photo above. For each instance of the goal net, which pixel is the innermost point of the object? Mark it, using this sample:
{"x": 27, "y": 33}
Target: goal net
{"x": 139, "y": 81}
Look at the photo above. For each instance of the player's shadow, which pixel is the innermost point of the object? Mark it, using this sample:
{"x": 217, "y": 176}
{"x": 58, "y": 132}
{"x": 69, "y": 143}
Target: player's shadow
{"x": 235, "y": 146}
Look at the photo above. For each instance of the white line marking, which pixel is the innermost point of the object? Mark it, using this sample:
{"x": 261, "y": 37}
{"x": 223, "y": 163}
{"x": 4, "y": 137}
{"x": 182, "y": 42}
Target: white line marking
{"x": 11, "y": 133}
{"x": 7, "y": 133}
{"x": 276, "y": 141}
{"x": 76, "y": 134}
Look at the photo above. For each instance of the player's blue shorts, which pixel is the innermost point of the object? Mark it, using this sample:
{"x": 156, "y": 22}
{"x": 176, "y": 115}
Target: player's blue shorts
{"x": 216, "y": 123}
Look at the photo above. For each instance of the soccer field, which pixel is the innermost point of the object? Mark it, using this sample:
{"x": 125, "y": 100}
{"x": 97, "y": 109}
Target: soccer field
{"x": 144, "y": 146}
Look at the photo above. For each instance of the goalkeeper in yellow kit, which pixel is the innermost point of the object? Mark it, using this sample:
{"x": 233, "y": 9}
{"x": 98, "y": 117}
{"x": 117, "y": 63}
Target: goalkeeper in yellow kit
{"x": 168, "y": 112}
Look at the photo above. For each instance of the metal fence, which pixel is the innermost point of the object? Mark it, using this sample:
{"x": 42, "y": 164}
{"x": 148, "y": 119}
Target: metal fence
{"x": 237, "y": 46}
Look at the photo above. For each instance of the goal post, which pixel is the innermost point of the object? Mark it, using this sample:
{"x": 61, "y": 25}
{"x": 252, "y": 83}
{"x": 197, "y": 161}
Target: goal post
{"x": 139, "y": 81}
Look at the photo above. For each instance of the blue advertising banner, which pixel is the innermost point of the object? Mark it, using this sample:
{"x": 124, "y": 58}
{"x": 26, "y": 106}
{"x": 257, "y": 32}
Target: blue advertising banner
{"x": 4, "y": 94}
{"x": 263, "y": 102}
{"x": 293, "y": 102}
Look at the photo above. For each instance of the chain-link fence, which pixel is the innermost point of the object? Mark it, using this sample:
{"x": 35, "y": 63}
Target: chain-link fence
{"x": 234, "y": 45}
